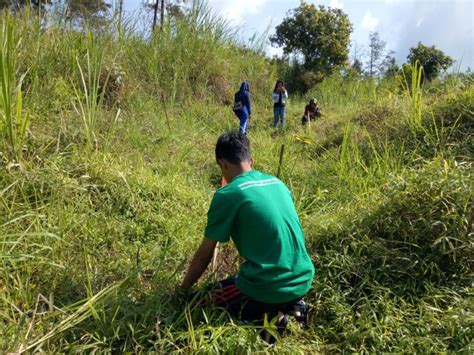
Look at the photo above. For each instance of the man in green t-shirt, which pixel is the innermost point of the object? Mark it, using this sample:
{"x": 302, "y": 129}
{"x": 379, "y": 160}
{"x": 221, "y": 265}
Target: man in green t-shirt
{"x": 257, "y": 212}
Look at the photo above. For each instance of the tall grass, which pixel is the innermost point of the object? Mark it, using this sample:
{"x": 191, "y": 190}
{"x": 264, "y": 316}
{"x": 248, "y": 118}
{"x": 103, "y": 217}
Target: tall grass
{"x": 94, "y": 242}
{"x": 77, "y": 313}
{"x": 414, "y": 91}
{"x": 89, "y": 99}
{"x": 14, "y": 122}
{"x": 363, "y": 168}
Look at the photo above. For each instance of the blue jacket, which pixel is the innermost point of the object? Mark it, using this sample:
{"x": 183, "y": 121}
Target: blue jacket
{"x": 243, "y": 97}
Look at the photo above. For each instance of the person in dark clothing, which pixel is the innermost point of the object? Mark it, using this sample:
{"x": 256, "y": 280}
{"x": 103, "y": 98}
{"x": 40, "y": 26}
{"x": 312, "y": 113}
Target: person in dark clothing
{"x": 279, "y": 96}
{"x": 311, "y": 112}
{"x": 242, "y": 106}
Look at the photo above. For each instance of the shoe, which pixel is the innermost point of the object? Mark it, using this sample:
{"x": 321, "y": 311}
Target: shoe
{"x": 299, "y": 310}
{"x": 281, "y": 325}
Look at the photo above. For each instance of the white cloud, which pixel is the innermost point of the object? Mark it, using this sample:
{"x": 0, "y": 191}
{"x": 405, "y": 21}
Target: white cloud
{"x": 272, "y": 51}
{"x": 237, "y": 11}
{"x": 336, "y": 4}
{"x": 370, "y": 22}
{"x": 419, "y": 22}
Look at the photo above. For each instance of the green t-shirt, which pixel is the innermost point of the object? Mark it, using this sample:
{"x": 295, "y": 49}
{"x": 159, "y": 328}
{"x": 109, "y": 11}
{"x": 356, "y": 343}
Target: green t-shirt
{"x": 257, "y": 211}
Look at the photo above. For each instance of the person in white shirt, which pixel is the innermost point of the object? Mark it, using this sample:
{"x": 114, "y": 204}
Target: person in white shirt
{"x": 279, "y": 95}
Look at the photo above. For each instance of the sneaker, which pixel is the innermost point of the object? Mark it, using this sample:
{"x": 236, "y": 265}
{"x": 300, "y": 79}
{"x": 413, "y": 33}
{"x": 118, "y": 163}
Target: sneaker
{"x": 281, "y": 326}
{"x": 299, "y": 310}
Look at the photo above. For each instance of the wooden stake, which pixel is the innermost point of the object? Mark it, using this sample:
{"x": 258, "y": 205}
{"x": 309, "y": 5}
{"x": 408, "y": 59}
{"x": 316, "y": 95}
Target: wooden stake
{"x": 280, "y": 163}
{"x": 214, "y": 258}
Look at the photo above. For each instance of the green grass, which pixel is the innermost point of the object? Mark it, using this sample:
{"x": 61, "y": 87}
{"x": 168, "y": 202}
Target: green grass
{"x": 13, "y": 122}
{"x": 93, "y": 242}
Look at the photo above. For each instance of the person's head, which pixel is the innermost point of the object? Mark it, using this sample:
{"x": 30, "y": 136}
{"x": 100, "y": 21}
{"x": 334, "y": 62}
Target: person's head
{"x": 313, "y": 102}
{"x": 234, "y": 148}
{"x": 245, "y": 86}
{"x": 278, "y": 85}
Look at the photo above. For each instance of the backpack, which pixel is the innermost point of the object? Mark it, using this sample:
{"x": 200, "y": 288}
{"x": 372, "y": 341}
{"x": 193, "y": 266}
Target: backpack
{"x": 238, "y": 105}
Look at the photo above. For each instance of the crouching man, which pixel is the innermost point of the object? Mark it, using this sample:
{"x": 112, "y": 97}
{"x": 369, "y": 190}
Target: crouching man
{"x": 256, "y": 210}
{"x": 311, "y": 112}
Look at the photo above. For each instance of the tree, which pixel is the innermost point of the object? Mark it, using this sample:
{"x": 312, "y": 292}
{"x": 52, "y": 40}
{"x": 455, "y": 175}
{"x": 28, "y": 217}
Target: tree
{"x": 392, "y": 68}
{"x": 120, "y": 9}
{"x": 376, "y": 54}
{"x": 357, "y": 66}
{"x": 93, "y": 12}
{"x": 155, "y": 13}
{"x": 172, "y": 8}
{"x": 357, "y": 53}
{"x": 321, "y": 36}
{"x": 379, "y": 59}
{"x": 432, "y": 59}
{"x": 20, "y": 4}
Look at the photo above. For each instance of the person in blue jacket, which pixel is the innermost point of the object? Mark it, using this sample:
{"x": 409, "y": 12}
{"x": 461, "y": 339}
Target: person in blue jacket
{"x": 242, "y": 106}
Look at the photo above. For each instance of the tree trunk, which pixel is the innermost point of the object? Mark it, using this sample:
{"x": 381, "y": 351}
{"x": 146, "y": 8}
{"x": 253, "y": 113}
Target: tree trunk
{"x": 162, "y": 18}
{"x": 120, "y": 9}
{"x": 371, "y": 72}
{"x": 155, "y": 15}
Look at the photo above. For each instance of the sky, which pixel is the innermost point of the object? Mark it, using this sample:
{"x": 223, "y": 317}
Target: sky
{"x": 446, "y": 24}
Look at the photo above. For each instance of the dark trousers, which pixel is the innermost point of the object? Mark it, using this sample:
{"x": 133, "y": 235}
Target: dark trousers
{"x": 226, "y": 294}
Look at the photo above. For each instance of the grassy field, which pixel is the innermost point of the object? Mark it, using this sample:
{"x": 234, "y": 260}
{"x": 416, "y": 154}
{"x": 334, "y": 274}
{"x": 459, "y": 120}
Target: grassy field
{"x": 107, "y": 170}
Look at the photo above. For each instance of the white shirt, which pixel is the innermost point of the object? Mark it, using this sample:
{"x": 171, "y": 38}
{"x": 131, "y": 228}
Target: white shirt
{"x": 276, "y": 97}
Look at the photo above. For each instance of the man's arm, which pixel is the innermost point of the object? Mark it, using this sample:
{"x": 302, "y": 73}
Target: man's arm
{"x": 200, "y": 261}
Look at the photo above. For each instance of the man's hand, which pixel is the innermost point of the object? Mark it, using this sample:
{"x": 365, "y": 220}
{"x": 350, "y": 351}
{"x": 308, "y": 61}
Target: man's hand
{"x": 200, "y": 261}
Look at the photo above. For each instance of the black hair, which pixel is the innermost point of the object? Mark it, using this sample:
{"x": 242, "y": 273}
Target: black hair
{"x": 276, "y": 85}
{"x": 234, "y": 147}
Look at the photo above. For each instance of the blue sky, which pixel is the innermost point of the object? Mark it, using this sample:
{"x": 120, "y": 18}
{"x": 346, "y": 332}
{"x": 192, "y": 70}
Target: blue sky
{"x": 447, "y": 24}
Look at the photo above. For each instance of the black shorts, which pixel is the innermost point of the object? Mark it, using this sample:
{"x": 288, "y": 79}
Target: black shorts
{"x": 304, "y": 119}
{"x": 226, "y": 294}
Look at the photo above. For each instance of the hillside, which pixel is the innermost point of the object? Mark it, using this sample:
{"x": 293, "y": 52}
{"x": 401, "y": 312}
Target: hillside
{"x": 104, "y": 196}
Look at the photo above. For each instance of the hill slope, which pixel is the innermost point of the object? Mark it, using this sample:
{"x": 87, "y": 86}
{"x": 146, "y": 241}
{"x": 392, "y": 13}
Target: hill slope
{"x": 106, "y": 200}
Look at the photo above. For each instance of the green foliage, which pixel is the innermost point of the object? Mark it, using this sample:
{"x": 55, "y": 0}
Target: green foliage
{"x": 24, "y": 3}
{"x": 433, "y": 60}
{"x": 344, "y": 91}
{"x": 357, "y": 66}
{"x": 91, "y": 12}
{"x": 413, "y": 90}
{"x": 320, "y": 35}
{"x": 379, "y": 59}
{"x": 14, "y": 122}
{"x": 412, "y": 249}
{"x": 93, "y": 242}
{"x": 295, "y": 77}
{"x": 377, "y": 48}
{"x": 90, "y": 97}
{"x": 173, "y": 8}
{"x": 391, "y": 69}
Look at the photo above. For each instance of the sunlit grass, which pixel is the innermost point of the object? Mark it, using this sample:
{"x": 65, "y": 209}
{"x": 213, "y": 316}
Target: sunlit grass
{"x": 14, "y": 121}
{"x": 93, "y": 242}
